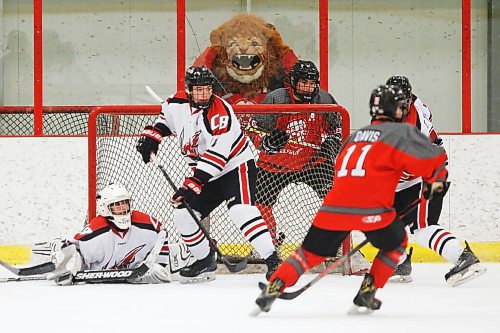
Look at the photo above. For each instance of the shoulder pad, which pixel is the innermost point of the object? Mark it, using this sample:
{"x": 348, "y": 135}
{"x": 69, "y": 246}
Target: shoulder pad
{"x": 97, "y": 226}
{"x": 146, "y": 221}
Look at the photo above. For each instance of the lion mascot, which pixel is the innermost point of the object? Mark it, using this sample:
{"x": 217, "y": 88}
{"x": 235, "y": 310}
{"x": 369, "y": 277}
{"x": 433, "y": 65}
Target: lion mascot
{"x": 249, "y": 59}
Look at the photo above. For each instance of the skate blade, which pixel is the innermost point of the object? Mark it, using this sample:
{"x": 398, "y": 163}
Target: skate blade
{"x": 400, "y": 279}
{"x": 256, "y": 311}
{"x": 472, "y": 272}
{"x": 359, "y": 310}
{"x": 203, "y": 277}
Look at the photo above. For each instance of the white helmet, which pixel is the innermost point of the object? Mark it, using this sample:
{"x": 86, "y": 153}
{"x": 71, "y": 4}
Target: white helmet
{"x": 114, "y": 194}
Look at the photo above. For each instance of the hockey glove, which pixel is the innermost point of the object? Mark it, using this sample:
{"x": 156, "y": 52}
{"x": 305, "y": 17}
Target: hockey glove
{"x": 190, "y": 188}
{"x": 436, "y": 190}
{"x": 148, "y": 143}
{"x": 68, "y": 261}
{"x": 274, "y": 142}
{"x": 330, "y": 147}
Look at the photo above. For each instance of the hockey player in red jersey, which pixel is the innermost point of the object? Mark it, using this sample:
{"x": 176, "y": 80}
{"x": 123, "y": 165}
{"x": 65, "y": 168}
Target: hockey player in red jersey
{"x": 223, "y": 165}
{"x": 297, "y": 148}
{"x": 424, "y": 221}
{"x": 367, "y": 172}
{"x": 118, "y": 238}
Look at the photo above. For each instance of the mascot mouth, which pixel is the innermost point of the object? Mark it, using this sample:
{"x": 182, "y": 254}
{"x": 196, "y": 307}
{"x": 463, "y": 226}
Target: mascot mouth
{"x": 245, "y": 62}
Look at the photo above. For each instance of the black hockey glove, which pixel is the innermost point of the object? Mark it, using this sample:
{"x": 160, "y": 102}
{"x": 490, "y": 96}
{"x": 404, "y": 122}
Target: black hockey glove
{"x": 330, "y": 147}
{"x": 191, "y": 187}
{"x": 436, "y": 190}
{"x": 274, "y": 142}
{"x": 148, "y": 143}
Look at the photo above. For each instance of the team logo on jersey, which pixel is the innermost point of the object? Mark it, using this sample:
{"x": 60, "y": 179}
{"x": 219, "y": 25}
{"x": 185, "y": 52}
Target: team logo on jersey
{"x": 128, "y": 259}
{"x": 297, "y": 130}
{"x": 190, "y": 148}
{"x": 371, "y": 219}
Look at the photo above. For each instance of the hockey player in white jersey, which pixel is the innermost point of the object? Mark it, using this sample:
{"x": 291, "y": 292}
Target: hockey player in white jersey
{"x": 214, "y": 146}
{"x": 119, "y": 238}
{"x": 424, "y": 221}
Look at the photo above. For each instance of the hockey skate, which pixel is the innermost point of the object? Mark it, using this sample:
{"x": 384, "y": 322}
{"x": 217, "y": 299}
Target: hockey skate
{"x": 467, "y": 268}
{"x": 272, "y": 262}
{"x": 365, "y": 301}
{"x": 402, "y": 274}
{"x": 268, "y": 296}
{"x": 200, "y": 271}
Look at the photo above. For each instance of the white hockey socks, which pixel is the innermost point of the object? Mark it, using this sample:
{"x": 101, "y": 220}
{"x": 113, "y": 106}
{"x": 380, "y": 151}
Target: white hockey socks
{"x": 440, "y": 241}
{"x": 253, "y": 227}
{"x": 191, "y": 233}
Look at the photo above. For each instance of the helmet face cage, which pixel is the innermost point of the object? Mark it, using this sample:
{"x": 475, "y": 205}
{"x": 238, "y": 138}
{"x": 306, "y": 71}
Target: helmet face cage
{"x": 198, "y": 76}
{"x": 113, "y": 195}
{"x": 308, "y": 71}
{"x": 386, "y": 99}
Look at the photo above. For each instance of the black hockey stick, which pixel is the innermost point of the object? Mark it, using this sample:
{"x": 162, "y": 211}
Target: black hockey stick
{"x": 33, "y": 270}
{"x": 333, "y": 265}
{"x": 232, "y": 267}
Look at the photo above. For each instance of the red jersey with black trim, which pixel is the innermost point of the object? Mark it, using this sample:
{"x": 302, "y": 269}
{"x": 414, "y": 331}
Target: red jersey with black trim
{"x": 102, "y": 246}
{"x": 210, "y": 140}
{"x": 367, "y": 171}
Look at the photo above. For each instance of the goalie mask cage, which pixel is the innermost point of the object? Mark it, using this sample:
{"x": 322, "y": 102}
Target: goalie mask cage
{"x": 113, "y": 134}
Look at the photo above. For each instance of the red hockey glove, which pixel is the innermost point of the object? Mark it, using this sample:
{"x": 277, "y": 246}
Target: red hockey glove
{"x": 148, "y": 143}
{"x": 191, "y": 187}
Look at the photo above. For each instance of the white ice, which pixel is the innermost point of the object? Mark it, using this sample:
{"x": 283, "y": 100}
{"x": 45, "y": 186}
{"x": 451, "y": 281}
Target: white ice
{"x": 427, "y": 305}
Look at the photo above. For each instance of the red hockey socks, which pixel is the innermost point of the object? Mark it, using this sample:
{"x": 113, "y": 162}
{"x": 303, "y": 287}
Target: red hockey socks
{"x": 267, "y": 215}
{"x": 385, "y": 263}
{"x": 295, "y": 265}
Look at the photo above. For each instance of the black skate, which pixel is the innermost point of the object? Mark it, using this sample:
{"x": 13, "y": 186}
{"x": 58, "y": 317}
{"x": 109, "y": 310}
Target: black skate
{"x": 467, "y": 268}
{"x": 402, "y": 274}
{"x": 365, "y": 301}
{"x": 268, "y": 296}
{"x": 200, "y": 271}
{"x": 272, "y": 262}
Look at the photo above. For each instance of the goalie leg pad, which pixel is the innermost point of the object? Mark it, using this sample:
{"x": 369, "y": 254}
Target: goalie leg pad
{"x": 191, "y": 233}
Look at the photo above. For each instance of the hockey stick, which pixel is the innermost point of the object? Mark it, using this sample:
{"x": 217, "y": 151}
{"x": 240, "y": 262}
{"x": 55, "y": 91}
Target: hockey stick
{"x": 232, "y": 267}
{"x": 33, "y": 270}
{"x": 22, "y": 278}
{"x": 154, "y": 94}
{"x": 333, "y": 265}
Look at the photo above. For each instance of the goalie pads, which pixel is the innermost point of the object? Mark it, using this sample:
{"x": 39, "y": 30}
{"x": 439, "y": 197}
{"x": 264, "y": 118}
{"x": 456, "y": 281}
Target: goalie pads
{"x": 68, "y": 261}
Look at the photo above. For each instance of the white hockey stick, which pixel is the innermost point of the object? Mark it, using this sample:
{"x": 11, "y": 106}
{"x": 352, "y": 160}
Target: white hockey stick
{"x": 154, "y": 94}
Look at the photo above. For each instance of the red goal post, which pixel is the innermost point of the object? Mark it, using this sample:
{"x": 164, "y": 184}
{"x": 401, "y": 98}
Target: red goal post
{"x": 112, "y": 157}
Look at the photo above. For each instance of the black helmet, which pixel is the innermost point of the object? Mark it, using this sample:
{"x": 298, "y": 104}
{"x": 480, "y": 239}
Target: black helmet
{"x": 384, "y": 101}
{"x": 307, "y": 70}
{"x": 402, "y": 82}
{"x": 198, "y": 76}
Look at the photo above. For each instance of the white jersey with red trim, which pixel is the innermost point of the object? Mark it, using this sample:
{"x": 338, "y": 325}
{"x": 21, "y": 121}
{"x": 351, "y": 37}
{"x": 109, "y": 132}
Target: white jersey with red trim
{"x": 210, "y": 140}
{"x": 420, "y": 116}
{"x": 102, "y": 246}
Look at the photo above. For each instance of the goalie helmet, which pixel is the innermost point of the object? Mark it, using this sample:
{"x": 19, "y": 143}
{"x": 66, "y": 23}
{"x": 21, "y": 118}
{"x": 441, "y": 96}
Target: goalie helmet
{"x": 306, "y": 70}
{"x": 385, "y": 100}
{"x": 199, "y": 76}
{"x": 402, "y": 82}
{"x": 113, "y": 203}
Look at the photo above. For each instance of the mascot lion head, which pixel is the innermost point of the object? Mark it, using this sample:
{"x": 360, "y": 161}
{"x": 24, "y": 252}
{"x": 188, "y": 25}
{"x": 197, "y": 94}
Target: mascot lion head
{"x": 246, "y": 55}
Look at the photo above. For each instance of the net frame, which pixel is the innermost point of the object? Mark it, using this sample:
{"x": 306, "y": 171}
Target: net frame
{"x": 116, "y": 111}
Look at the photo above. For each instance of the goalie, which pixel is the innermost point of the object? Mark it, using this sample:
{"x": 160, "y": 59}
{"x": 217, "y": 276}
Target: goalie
{"x": 119, "y": 238}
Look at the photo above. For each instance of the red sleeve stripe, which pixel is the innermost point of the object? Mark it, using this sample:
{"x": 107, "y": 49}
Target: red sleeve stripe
{"x": 239, "y": 147}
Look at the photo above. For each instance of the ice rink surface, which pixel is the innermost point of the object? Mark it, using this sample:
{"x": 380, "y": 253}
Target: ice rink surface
{"x": 426, "y": 305}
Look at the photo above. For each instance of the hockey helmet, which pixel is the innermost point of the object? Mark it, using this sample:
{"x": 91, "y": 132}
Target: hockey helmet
{"x": 199, "y": 76}
{"x": 385, "y": 100}
{"x": 306, "y": 70}
{"x": 113, "y": 203}
{"x": 402, "y": 82}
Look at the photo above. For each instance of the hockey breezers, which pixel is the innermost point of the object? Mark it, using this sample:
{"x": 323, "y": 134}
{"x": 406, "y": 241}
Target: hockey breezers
{"x": 232, "y": 267}
{"x": 33, "y": 270}
{"x": 291, "y": 295}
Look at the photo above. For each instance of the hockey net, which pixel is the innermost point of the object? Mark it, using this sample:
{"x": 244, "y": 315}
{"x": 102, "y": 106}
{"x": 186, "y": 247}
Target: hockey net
{"x": 113, "y": 133}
